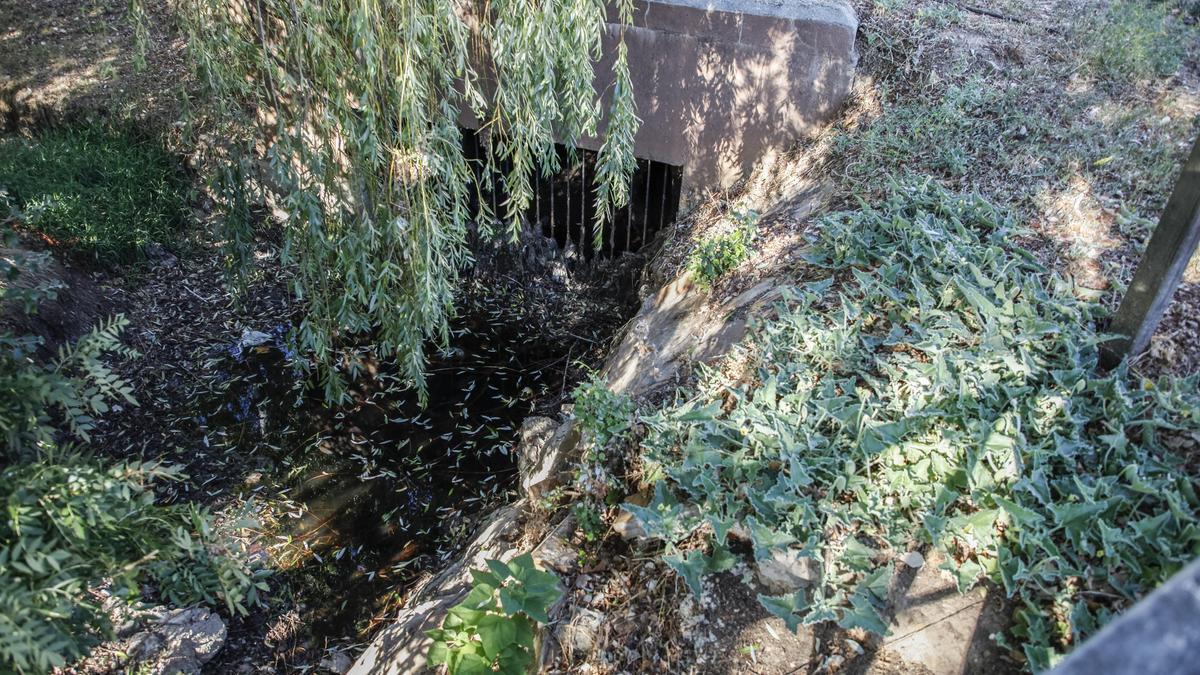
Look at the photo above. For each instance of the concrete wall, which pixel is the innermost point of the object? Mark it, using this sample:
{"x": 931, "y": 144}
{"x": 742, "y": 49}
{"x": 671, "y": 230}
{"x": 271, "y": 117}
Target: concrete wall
{"x": 1159, "y": 636}
{"x": 719, "y": 84}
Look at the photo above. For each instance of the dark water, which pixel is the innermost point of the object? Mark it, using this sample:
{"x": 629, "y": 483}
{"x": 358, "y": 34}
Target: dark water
{"x": 378, "y": 491}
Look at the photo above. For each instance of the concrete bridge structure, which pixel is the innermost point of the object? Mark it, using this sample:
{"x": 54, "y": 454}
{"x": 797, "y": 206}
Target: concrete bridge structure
{"x": 719, "y": 84}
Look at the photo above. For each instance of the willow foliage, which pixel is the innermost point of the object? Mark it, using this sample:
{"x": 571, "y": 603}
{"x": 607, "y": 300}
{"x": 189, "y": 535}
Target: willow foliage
{"x": 355, "y": 106}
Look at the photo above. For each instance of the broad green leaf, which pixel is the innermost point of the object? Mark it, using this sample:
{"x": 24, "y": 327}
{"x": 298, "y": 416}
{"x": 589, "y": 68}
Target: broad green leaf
{"x": 495, "y": 633}
{"x": 786, "y": 607}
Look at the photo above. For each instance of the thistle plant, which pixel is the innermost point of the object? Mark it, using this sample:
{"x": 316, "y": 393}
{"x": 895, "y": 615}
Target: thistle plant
{"x": 346, "y": 113}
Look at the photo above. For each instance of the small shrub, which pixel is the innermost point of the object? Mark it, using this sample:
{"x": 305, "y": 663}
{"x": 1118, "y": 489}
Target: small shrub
{"x": 39, "y": 398}
{"x": 1137, "y": 41}
{"x": 105, "y": 193}
{"x": 70, "y": 525}
{"x": 603, "y": 414}
{"x": 69, "y": 391}
{"x": 492, "y": 630}
{"x": 721, "y": 253}
{"x": 590, "y": 521}
{"x": 604, "y": 419}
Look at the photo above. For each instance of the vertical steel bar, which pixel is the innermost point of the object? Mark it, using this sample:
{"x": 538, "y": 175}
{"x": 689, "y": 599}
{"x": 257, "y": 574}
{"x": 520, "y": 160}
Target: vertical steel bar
{"x": 553, "y": 220}
{"x": 583, "y": 201}
{"x": 646, "y": 210}
{"x": 570, "y": 214}
{"x": 666, "y": 187}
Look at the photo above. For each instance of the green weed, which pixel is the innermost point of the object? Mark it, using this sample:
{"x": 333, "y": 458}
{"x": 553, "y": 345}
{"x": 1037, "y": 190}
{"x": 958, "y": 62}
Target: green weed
{"x": 603, "y": 414}
{"x": 720, "y": 253}
{"x": 1137, "y": 41}
{"x": 70, "y": 525}
{"x": 1016, "y": 144}
{"x": 104, "y": 193}
{"x": 590, "y": 522}
{"x": 492, "y": 630}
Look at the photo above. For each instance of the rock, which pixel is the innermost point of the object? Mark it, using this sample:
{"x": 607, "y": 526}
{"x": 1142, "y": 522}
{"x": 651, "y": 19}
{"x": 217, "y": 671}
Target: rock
{"x": 556, "y": 552}
{"x": 545, "y": 455}
{"x": 832, "y": 664}
{"x": 630, "y": 527}
{"x": 914, "y": 559}
{"x": 179, "y": 641}
{"x": 940, "y": 631}
{"x": 786, "y": 571}
{"x": 676, "y": 325}
{"x": 159, "y": 256}
{"x": 579, "y": 635}
{"x": 337, "y": 662}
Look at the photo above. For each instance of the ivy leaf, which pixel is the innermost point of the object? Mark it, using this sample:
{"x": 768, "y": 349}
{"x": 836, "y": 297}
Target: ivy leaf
{"x": 766, "y": 539}
{"x": 786, "y": 607}
{"x": 485, "y": 579}
{"x": 439, "y": 652}
{"x": 471, "y": 664}
{"x": 692, "y": 569}
{"x": 877, "y": 583}
{"x": 510, "y": 601}
{"x": 465, "y": 614}
{"x": 1020, "y": 515}
{"x": 721, "y": 560}
{"x": 862, "y": 614}
{"x": 857, "y": 555}
{"x": 499, "y": 571}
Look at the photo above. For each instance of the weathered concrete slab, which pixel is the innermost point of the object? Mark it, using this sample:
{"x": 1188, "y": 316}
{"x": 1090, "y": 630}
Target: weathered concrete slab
{"x": 719, "y": 84}
{"x": 1160, "y": 635}
{"x": 676, "y": 325}
{"x": 935, "y": 629}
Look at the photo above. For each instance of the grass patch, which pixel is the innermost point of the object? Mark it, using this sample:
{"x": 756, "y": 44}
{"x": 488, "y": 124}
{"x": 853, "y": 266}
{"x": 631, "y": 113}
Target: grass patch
{"x": 100, "y": 192}
{"x": 937, "y": 388}
{"x": 1017, "y": 144}
{"x": 1138, "y": 41}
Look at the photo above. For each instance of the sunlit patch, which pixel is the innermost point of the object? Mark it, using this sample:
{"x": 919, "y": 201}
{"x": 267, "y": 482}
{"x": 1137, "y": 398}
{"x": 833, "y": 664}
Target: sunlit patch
{"x": 1074, "y": 218}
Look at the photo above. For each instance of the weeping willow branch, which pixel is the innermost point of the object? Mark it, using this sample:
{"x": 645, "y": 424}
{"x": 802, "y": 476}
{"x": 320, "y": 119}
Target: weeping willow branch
{"x": 141, "y": 32}
{"x": 354, "y": 107}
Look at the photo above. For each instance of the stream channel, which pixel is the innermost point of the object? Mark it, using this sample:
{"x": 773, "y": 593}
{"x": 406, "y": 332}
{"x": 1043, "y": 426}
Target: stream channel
{"x": 355, "y": 503}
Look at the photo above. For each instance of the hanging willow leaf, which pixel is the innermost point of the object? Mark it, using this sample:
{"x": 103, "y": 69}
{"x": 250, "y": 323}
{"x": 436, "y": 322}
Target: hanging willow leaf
{"x": 346, "y": 113}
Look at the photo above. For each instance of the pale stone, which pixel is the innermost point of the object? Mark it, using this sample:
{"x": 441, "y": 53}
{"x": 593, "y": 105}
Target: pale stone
{"x": 786, "y": 571}
{"x": 181, "y": 641}
{"x": 545, "y": 455}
